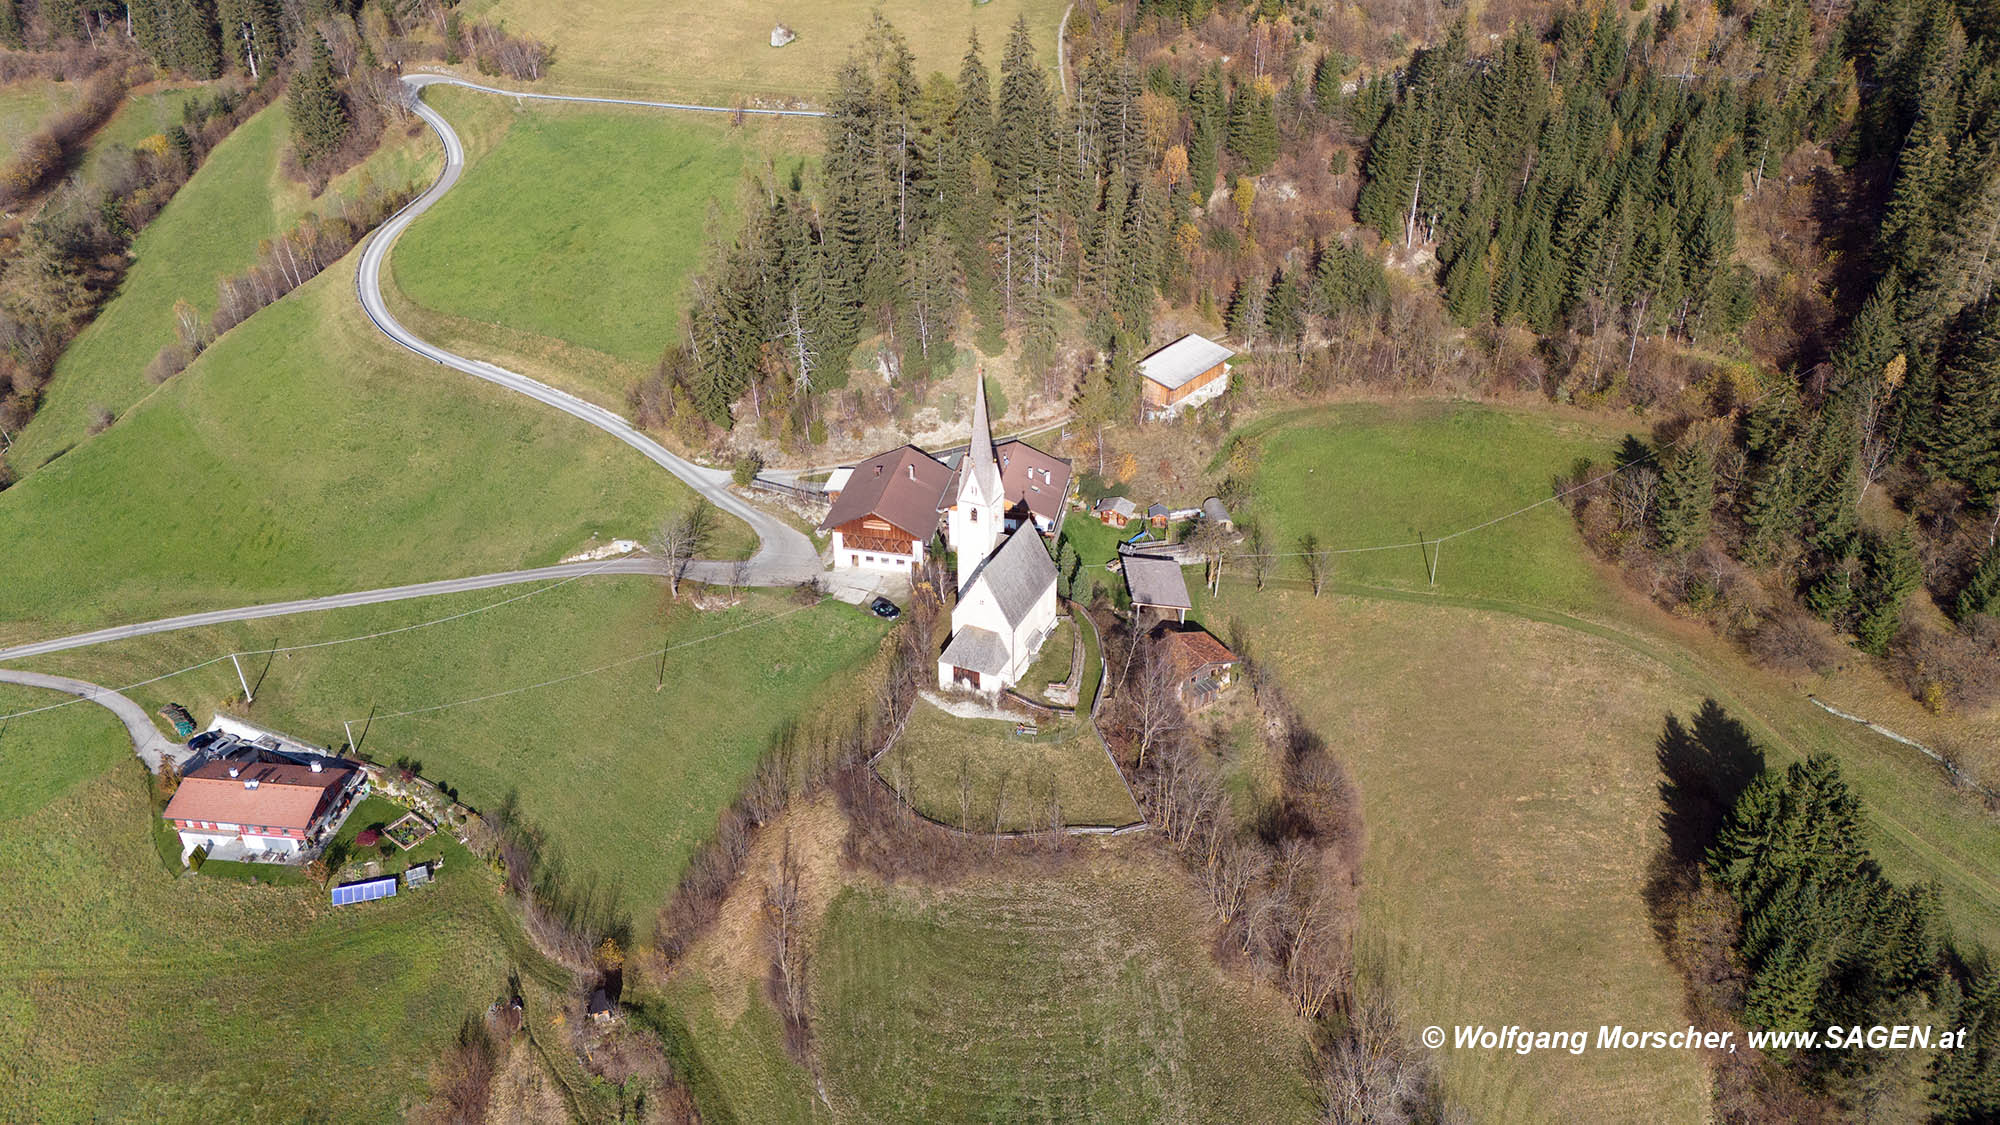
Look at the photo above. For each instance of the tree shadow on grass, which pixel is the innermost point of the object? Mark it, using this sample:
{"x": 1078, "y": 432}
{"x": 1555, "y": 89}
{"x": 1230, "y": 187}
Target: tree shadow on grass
{"x": 1704, "y": 767}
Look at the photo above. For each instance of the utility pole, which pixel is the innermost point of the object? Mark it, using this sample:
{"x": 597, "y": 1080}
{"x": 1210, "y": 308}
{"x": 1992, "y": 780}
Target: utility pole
{"x": 240, "y": 679}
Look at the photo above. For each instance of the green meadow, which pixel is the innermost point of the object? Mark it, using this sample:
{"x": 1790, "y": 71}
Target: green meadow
{"x": 306, "y": 454}
{"x": 620, "y": 756}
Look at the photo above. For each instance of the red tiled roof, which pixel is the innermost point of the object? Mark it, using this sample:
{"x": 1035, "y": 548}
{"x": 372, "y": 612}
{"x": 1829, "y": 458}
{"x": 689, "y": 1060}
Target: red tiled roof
{"x": 284, "y": 796}
{"x": 1191, "y": 650}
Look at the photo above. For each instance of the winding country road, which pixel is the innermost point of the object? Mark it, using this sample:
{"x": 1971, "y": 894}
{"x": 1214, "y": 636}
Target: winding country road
{"x": 340, "y": 601}
{"x": 147, "y": 741}
{"x": 785, "y": 556}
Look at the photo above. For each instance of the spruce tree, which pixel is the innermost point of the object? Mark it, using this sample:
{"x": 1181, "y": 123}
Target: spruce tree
{"x": 1964, "y": 442}
{"x": 319, "y": 117}
{"x": 250, "y": 34}
{"x": 1982, "y": 593}
{"x": 1687, "y": 493}
{"x": 1890, "y": 573}
{"x": 1284, "y": 310}
{"x": 10, "y": 23}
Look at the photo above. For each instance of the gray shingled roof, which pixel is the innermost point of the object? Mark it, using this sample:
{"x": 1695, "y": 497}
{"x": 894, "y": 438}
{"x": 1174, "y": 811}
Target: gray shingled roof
{"x": 1019, "y": 573}
{"x": 1156, "y": 582}
{"x": 981, "y": 650}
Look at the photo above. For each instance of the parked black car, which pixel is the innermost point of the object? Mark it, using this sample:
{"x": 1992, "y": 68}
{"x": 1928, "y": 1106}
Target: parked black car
{"x": 884, "y": 609}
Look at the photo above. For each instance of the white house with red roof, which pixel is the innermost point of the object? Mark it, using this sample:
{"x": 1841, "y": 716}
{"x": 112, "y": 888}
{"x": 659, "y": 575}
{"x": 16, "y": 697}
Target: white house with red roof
{"x": 263, "y": 803}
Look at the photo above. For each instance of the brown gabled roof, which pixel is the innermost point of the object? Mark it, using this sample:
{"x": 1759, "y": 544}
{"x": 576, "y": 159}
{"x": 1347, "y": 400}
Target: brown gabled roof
{"x": 904, "y": 486}
{"x": 1028, "y": 477}
{"x": 1039, "y": 480}
{"x": 284, "y": 795}
{"x": 1191, "y": 650}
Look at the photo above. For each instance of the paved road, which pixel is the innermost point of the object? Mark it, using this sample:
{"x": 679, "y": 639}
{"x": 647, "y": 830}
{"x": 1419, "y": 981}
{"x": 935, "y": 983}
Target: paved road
{"x": 340, "y": 601}
{"x": 851, "y": 586}
{"x": 147, "y": 741}
{"x": 784, "y": 555}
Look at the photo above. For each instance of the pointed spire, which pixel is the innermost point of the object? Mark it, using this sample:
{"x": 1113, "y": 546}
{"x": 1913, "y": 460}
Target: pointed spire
{"x": 981, "y": 481}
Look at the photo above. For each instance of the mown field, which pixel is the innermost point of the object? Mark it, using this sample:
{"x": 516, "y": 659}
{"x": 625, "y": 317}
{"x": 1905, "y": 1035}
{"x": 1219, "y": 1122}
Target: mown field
{"x": 210, "y": 229}
{"x": 722, "y": 51}
{"x": 568, "y": 245}
{"x": 132, "y": 995}
{"x": 624, "y": 769}
{"x": 1011, "y": 775}
{"x": 1365, "y": 476}
{"x": 305, "y": 454}
{"x": 1085, "y": 995}
{"x": 1503, "y": 729}
{"x": 1509, "y": 792}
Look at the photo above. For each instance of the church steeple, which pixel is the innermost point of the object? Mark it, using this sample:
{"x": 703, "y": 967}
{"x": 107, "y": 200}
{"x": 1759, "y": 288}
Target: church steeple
{"x": 980, "y": 483}
{"x": 978, "y": 512}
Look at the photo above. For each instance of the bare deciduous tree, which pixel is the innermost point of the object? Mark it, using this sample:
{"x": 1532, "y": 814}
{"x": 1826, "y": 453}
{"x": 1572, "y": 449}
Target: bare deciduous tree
{"x": 784, "y": 912}
{"x": 1156, "y": 710}
{"x": 681, "y": 538}
{"x": 1258, "y": 553}
{"x": 1318, "y": 560}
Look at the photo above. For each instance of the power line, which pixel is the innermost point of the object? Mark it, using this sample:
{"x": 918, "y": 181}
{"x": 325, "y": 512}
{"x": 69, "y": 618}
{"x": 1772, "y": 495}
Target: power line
{"x": 92, "y": 697}
{"x": 1649, "y": 455}
{"x": 620, "y": 663}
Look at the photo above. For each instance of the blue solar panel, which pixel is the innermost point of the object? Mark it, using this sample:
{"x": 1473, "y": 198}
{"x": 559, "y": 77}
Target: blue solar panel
{"x": 365, "y": 891}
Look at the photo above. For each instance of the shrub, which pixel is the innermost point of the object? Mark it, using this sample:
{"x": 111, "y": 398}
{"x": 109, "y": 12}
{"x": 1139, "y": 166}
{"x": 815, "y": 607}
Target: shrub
{"x": 747, "y": 467}
{"x": 368, "y": 838}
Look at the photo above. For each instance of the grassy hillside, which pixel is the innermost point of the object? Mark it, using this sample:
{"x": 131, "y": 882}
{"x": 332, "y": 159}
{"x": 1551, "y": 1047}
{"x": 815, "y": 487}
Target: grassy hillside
{"x": 1503, "y": 731}
{"x": 1509, "y": 791}
{"x": 24, "y": 105}
{"x": 209, "y": 230}
{"x": 598, "y": 269}
{"x": 143, "y": 115}
{"x": 1063, "y": 758}
{"x": 133, "y": 995}
{"x": 624, "y": 778}
{"x": 1369, "y": 475}
{"x": 1087, "y": 995}
{"x": 306, "y": 454}
{"x": 722, "y": 50}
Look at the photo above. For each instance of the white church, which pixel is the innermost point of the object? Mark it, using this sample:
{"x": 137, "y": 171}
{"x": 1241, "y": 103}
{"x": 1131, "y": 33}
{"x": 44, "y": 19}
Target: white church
{"x": 1006, "y": 579}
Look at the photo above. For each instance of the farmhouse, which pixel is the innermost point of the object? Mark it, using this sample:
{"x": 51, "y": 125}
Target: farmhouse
{"x": 1183, "y": 375}
{"x": 263, "y": 804}
{"x": 1202, "y": 666}
{"x": 1156, "y": 583}
{"x": 886, "y": 510}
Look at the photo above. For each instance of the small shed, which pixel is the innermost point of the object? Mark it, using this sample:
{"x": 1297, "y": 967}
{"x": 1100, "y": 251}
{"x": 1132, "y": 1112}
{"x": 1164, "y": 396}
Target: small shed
{"x": 1213, "y": 512}
{"x": 781, "y": 35}
{"x": 417, "y": 876}
{"x": 1116, "y": 511}
{"x": 1158, "y": 515}
{"x": 1157, "y": 583}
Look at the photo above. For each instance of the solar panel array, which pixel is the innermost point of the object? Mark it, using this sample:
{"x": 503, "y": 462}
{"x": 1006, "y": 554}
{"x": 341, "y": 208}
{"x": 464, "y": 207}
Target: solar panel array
{"x": 365, "y": 891}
